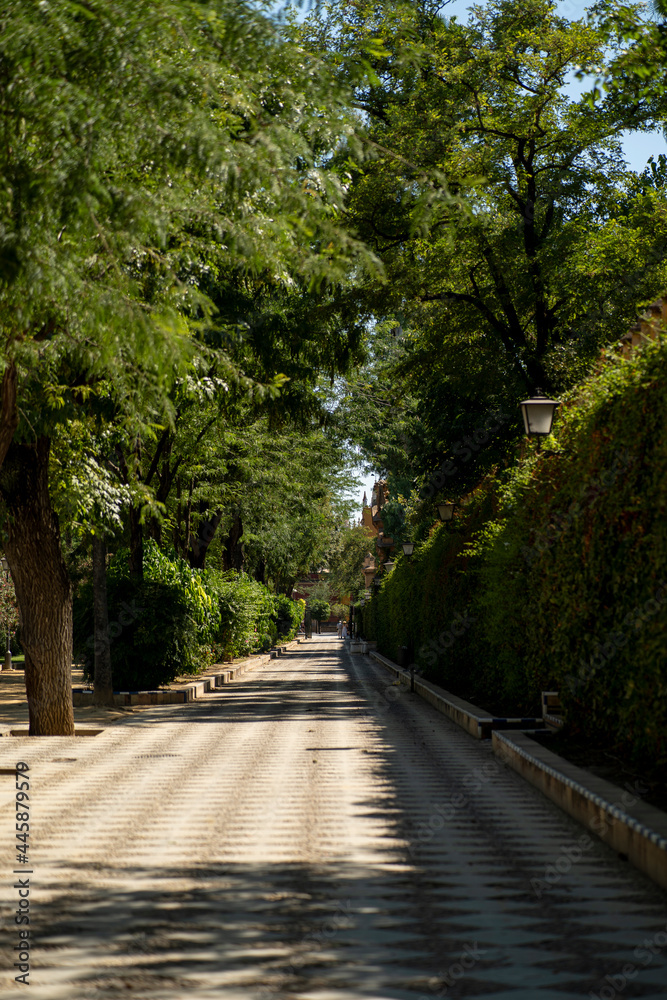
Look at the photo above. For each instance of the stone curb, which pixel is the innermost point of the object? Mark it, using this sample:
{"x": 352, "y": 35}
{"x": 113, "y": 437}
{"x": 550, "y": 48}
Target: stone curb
{"x": 615, "y": 815}
{"x": 632, "y": 828}
{"x": 189, "y": 692}
{"x": 471, "y": 718}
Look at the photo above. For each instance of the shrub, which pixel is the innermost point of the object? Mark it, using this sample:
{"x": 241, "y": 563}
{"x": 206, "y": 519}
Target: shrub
{"x": 320, "y": 610}
{"x": 246, "y": 624}
{"x": 188, "y": 617}
{"x": 287, "y": 616}
{"x": 153, "y": 636}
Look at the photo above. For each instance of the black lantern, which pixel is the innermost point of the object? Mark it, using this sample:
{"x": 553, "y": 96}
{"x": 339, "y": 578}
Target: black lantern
{"x": 408, "y": 548}
{"x": 538, "y": 414}
{"x": 446, "y": 511}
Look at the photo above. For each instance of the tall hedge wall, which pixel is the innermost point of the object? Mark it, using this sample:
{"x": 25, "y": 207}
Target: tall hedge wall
{"x": 557, "y": 577}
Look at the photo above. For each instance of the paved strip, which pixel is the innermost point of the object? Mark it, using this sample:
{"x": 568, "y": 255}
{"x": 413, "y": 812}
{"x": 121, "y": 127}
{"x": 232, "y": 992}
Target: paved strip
{"x": 313, "y": 832}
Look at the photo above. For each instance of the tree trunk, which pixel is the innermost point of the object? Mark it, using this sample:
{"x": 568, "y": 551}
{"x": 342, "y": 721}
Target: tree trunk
{"x": 103, "y": 687}
{"x": 9, "y": 414}
{"x": 232, "y": 553}
{"x": 136, "y": 544}
{"x": 200, "y": 542}
{"x": 43, "y": 588}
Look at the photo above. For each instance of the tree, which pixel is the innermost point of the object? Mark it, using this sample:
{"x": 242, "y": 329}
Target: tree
{"x": 135, "y": 136}
{"x": 319, "y": 610}
{"x": 346, "y": 558}
{"x": 503, "y": 213}
{"x": 9, "y": 612}
{"x": 102, "y": 681}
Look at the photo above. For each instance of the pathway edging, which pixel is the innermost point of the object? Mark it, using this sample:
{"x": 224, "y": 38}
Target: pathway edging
{"x": 471, "y": 718}
{"x": 635, "y": 829}
{"x": 617, "y": 816}
{"x": 214, "y": 678}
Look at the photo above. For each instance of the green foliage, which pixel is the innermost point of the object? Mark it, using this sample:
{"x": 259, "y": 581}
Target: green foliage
{"x": 559, "y": 573}
{"x": 9, "y": 612}
{"x": 153, "y": 636}
{"x": 252, "y": 619}
{"x": 426, "y": 605}
{"x": 175, "y": 572}
{"x": 288, "y": 615}
{"x": 246, "y": 610}
{"x": 178, "y": 619}
{"x": 345, "y": 560}
{"x": 320, "y": 610}
{"x": 515, "y": 241}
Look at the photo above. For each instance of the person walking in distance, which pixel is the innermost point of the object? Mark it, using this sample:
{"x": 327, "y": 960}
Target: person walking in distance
{"x": 343, "y": 632}
{"x": 340, "y": 628}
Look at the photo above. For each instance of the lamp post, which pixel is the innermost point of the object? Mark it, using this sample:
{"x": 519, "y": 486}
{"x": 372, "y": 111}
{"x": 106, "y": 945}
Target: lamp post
{"x": 408, "y": 548}
{"x": 388, "y": 564}
{"x": 8, "y": 655}
{"x": 538, "y": 415}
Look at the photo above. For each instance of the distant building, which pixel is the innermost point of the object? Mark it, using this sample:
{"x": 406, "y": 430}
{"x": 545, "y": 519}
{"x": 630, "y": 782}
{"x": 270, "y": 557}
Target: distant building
{"x": 371, "y": 519}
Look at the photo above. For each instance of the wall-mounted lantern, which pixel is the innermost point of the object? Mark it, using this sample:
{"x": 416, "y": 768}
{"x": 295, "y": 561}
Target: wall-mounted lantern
{"x": 538, "y": 414}
{"x": 446, "y": 511}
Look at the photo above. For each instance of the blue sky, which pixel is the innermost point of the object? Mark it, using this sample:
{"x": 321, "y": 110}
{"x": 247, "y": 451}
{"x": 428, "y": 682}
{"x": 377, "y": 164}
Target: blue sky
{"x": 637, "y": 146}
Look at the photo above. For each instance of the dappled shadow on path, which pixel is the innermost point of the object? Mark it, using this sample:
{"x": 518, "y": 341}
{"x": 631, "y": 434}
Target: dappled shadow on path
{"x": 279, "y": 930}
{"x": 389, "y": 917}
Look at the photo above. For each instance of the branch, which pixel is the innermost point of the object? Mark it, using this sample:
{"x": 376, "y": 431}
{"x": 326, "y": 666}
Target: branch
{"x": 156, "y": 457}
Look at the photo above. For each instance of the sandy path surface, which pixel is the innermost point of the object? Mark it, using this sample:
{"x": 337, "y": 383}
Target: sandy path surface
{"x": 311, "y": 832}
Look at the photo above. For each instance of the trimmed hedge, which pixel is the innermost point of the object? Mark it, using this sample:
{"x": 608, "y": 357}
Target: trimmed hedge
{"x": 559, "y": 574}
{"x": 153, "y": 635}
{"x": 179, "y": 619}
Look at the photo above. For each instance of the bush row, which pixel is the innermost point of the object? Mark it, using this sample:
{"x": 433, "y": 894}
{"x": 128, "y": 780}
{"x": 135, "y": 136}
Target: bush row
{"x": 555, "y": 576}
{"x": 177, "y": 620}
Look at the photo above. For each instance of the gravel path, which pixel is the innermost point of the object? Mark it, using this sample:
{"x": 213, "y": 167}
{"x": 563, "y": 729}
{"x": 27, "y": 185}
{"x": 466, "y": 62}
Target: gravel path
{"x": 312, "y": 832}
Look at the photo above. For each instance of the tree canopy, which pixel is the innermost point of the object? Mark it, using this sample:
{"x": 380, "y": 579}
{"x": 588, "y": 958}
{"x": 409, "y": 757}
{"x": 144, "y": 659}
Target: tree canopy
{"x": 237, "y": 251}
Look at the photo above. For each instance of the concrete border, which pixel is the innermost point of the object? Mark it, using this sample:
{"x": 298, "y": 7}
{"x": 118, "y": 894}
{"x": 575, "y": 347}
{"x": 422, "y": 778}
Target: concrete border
{"x": 210, "y": 681}
{"x": 629, "y": 826}
{"x": 616, "y": 815}
{"x": 471, "y": 718}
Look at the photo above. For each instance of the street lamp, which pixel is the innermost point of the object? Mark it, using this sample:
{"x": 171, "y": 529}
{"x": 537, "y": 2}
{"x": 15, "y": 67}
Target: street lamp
{"x": 446, "y": 511}
{"x": 538, "y": 414}
{"x": 388, "y": 564}
{"x": 8, "y": 655}
{"x": 408, "y": 548}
